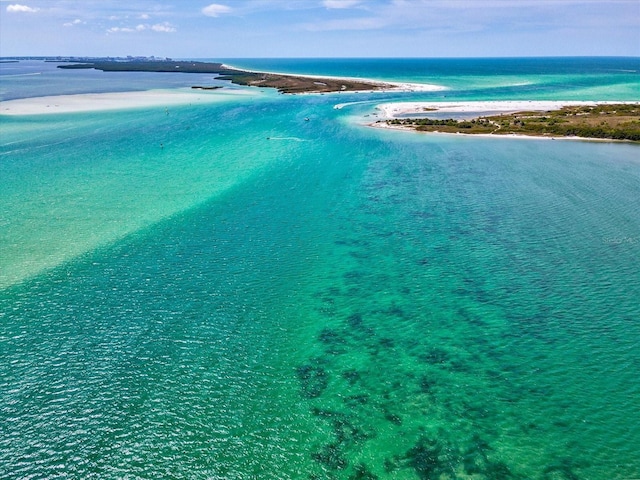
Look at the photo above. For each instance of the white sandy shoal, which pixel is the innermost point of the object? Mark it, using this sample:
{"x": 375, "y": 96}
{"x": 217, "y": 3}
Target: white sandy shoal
{"x": 88, "y": 102}
{"x": 392, "y": 110}
{"x": 405, "y": 128}
{"x": 395, "y": 86}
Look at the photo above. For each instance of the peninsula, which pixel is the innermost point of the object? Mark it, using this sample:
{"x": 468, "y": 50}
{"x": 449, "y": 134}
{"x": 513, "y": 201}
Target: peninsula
{"x": 284, "y": 83}
{"x": 601, "y": 120}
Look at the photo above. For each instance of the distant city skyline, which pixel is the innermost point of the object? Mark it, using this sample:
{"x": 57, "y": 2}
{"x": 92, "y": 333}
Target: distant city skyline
{"x": 320, "y": 28}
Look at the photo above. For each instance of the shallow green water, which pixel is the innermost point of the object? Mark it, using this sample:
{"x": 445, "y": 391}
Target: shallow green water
{"x": 269, "y": 297}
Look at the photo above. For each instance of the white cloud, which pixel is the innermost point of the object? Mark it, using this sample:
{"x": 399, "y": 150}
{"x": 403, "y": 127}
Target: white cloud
{"x": 144, "y": 16}
{"x": 340, "y": 3}
{"x": 163, "y": 27}
{"x": 120, "y": 29}
{"x": 17, "y": 8}
{"x": 371, "y": 23}
{"x": 77, "y": 21}
{"x": 215, "y": 10}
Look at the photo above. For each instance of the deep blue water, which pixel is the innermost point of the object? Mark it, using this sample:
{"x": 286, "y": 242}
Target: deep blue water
{"x": 595, "y": 78}
{"x": 416, "y": 67}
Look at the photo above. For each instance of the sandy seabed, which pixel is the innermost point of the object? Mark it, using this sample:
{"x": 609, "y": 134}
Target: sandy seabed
{"x": 88, "y": 102}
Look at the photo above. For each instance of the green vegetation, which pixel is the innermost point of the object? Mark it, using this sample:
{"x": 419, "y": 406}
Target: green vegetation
{"x": 151, "y": 66}
{"x": 614, "y": 122}
{"x": 284, "y": 83}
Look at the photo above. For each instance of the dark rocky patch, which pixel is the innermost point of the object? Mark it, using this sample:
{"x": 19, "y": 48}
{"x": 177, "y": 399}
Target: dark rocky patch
{"x": 334, "y": 342}
{"x": 474, "y": 463}
{"x": 391, "y": 464}
{"x": 313, "y": 380}
{"x": 355, "y": 321}
{"x": 434, "y": 356}
{"x": 394, "y": 310}
{"x": 355, "y": 400}
{"x": 426, "y": 384}
{"x": 560, "y": 471}
{"x": 351, "y": 376}
{"x": 331, "y": 457}
{"x": 498, "y": 471}
{"x": 424, "y": 458}
{"x": 352, "y": 243}
{"x": 460, "y": 367}
{"x": 353, "y": 275}
{"x": 361, "y": 472}
{"x": 393, "y": 418}
{"x": 346, "y": 432}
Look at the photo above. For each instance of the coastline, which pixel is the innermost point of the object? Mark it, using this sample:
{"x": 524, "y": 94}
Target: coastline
{"x": 488, "y": 119}
{"x": 390, "y": 86}
{"x": 393, "y": 110}
{"x": 89, "y": 102}
{"x": 515, "y": 136}
{"x": 284, "y": 83}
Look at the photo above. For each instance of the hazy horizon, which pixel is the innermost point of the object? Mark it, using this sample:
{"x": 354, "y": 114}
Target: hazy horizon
{"x": 321, "y": 28}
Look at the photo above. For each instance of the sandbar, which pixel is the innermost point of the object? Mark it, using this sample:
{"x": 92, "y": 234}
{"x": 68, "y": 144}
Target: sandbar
{"x": 88, "y": 102}
{"x": 364, "y": 85}
{"x": 604, "y": 120}
{"x": 393, "y": 110}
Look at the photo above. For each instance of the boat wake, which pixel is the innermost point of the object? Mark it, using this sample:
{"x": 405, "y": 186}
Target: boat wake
{"x": 293, "y": 139}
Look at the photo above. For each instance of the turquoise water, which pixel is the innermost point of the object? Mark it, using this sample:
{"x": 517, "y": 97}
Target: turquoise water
{"x": 269, "y": 297}
{"x": 37, "y": 78}
{"x": 612, "y": 78}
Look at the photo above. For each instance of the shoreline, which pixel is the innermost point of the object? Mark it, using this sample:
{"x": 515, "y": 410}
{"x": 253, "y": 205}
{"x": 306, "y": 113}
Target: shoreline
{"x": 516, "y": 136}
{"x": 111, "y": 101}
{"x": 284, "y": 83}
{"x": 391, "y": 111}
{"x": 394, "y": 86}
{"x": 519, "y": 110}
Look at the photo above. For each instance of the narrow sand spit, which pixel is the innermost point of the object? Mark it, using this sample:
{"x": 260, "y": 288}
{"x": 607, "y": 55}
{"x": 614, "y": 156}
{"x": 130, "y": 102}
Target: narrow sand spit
{"x": 392, "y": 110}
{"x": 392, "y": 86}
{"x": 88, "y": 102}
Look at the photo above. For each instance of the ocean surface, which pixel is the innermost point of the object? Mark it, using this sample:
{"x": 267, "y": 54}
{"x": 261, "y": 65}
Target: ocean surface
{"x": 266, "y": 287}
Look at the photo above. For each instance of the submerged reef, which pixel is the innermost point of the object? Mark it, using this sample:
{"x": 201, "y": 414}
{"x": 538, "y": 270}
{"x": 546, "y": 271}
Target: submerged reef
{"x": 313, "y": 380}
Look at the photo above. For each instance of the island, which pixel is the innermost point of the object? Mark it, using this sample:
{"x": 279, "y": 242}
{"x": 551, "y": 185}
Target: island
{"x": 202, "y": 87}
{"x": 284, "y": 83}
{"x": 612, "y": 121}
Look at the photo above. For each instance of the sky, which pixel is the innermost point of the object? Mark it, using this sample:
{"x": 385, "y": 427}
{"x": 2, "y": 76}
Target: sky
{"x": 319, "y": 28}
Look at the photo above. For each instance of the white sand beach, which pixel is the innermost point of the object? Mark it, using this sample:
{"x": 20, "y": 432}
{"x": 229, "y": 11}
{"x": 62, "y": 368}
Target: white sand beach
{"x": 394, "y": 86}
{"x": 392, "y": 110}
{"x": 88, "y": 102}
